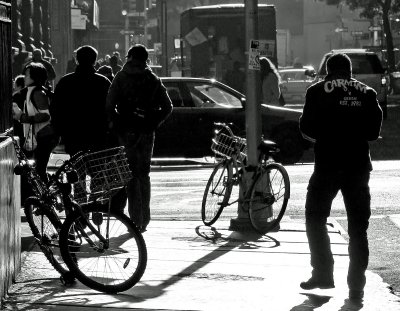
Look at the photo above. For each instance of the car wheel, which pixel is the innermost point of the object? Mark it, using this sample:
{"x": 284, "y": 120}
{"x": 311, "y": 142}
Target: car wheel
{"x": 290, "y": 143}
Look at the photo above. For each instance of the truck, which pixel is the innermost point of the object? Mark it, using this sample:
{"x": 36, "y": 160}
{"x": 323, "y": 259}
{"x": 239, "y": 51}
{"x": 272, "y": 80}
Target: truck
{"x": 214, "y": 38}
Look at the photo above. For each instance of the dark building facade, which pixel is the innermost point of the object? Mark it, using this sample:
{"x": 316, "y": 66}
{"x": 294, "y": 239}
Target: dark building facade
{"x": 10, "y": 205}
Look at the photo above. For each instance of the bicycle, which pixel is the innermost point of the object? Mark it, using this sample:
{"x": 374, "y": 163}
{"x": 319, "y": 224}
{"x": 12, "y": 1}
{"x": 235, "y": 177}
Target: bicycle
{"x": 102, "y": 248}
{"x": 42, "y": 211}
{"x": 268, "y": 189}
{"x": 82, "y": 186}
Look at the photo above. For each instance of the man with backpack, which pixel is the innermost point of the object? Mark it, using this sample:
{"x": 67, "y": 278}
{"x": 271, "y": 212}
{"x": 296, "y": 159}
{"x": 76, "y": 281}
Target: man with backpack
{"x": 137, "y": 104}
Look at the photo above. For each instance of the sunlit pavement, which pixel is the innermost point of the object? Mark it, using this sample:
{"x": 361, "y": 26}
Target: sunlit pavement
{"x": 193, "y": 267}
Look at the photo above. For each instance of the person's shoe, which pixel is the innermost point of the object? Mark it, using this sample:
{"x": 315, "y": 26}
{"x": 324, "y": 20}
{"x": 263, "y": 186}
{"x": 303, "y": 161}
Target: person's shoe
{"x": 317, "y": 283}
{"x": 356, "y": 294}
{"x": 142, "y": 229}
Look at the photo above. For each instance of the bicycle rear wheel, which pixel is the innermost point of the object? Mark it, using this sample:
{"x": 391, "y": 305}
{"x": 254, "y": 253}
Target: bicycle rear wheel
{"x": 269, "y": 197}
{"x": 45, "y": 226}
{"x": 217, "y": 193}
{"x": 111, "y": 268}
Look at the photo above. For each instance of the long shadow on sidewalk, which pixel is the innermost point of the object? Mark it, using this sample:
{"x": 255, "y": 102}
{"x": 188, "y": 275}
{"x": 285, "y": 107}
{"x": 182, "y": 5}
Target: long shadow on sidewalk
{"x": 212, "y": 237}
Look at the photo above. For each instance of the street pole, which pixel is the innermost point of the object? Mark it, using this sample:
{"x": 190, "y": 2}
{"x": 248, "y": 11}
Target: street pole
{"x": 164, "y": 38}
{"x": 126, "y": 34}
{"x": 253, "y": 117}
{"x": 145, "y": 41}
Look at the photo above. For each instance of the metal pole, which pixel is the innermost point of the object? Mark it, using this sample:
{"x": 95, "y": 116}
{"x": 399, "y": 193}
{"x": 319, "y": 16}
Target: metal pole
{"x": 253, "y": 117}
{"x": 145, "y": 23}
{"x": 164, "y": 38}
{"x": 253, "y": 88}
{"x": 126, "y": 34}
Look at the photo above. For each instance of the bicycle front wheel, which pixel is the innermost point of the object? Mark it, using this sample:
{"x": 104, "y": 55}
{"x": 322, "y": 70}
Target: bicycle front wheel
{"x": 112, "y": 266}
{"x": 269, "y": 197}
{"x": 217, "y": 193}
{"x": 45, "y": 227}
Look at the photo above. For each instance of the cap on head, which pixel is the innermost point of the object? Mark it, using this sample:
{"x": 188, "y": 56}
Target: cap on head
{"x": 339, "y": 63}
{"x": 138, "y": 52}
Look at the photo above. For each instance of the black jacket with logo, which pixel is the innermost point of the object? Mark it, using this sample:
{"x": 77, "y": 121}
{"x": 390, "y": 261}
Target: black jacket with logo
{"x": 341, "y": 115}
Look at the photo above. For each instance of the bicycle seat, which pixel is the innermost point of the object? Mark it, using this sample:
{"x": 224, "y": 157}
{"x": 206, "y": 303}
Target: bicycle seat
{"x": 268, "y": 146}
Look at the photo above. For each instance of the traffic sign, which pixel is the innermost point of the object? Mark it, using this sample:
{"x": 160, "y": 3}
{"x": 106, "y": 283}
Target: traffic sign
{"x": 342, "y": 29}
{"x": 374, "y": 28}
{"x": 127, "y": 32}
{"x": 356, "y": 33}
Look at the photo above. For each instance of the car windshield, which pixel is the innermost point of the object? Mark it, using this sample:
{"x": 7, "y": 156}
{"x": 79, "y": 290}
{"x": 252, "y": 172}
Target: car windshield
{"x": 208, "y": 95}
{"x": 361, "y": 64}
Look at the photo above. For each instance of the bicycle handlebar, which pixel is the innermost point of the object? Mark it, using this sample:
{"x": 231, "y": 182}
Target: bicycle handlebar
{"x": 225, "y": 126}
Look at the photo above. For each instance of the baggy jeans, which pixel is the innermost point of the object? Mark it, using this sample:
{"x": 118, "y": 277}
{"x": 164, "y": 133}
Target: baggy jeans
{"x": 139, "y": 150}
{"x": 322, "y": 189}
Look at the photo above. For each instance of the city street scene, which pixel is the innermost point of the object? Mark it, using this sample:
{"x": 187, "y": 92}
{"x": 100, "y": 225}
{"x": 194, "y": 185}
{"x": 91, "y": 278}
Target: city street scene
{"x": 200, "y": 155}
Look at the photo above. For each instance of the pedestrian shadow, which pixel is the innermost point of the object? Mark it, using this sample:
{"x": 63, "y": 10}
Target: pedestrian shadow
{"x": 144, "y": 291}
{"x": 46, "y": 290}
{"x": 311, "y": 303}
{"x": 314, "y": 302}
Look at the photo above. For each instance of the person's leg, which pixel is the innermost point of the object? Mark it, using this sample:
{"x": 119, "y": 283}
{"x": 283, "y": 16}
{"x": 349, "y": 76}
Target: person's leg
{"x": 145, "y": 152}
{"x": 139, "y": 149}
{"x": 322, "y": 189}
{"x": 42, "y": 155}
{"x": 357, "y": 200}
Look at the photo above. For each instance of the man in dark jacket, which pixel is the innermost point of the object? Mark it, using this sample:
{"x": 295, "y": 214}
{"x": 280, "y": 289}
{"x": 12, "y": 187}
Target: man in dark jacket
{"x": 340, "y": 115}
{"x": 137, "y": 104}
{"x": 78, "y": 108}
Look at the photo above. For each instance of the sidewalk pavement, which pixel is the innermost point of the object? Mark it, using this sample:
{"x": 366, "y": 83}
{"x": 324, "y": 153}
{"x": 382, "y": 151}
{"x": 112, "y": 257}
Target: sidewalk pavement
{"x": 194, "y": 267}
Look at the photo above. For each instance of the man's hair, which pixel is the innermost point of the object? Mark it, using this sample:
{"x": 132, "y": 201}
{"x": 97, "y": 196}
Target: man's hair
{"x": 20, "y": 81}
{"x": 339, "y": 63}
{"x": 114, "y": 60}
{"x": 37, "y": 72}
{"x": 86, "y": 55}
{"x": 138, "y": 52}
{"x": 37, "y": 54}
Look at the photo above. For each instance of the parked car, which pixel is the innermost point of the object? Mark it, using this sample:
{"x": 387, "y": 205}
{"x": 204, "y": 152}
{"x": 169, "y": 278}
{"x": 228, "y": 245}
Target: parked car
{"x": 295, "y": 82}
{"x": 198, "y": 103}
{"x": 367, "y": 68}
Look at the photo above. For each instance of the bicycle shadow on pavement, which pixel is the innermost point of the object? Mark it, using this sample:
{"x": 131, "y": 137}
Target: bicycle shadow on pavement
{"x": 210, "y": 235}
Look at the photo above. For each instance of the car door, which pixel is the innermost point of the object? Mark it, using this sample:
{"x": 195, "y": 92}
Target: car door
{"x": 214, "y": 104}
{"x": 177, "y": 135}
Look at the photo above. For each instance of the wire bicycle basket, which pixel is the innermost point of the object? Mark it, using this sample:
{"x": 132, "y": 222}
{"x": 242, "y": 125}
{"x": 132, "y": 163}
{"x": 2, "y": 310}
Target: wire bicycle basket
{"x": 229, "y": 145}
{"x": 100, "y": 175}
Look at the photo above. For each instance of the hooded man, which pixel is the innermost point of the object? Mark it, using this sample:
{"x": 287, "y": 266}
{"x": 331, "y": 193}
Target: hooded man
{"x": 137, "y": 104}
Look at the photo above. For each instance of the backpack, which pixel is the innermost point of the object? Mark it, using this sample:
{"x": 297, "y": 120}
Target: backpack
{"x": 137, "y": 106}
{"x": 49, "y": 93}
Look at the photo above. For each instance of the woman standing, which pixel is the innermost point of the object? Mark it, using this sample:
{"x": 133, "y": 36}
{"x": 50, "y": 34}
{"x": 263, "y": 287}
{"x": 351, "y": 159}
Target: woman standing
{"x": 271, "y": 81}
{"x": 35, "y": 118}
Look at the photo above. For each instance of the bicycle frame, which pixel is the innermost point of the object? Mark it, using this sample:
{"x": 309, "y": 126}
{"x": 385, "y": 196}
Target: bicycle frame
{"x": 50, "y": 194}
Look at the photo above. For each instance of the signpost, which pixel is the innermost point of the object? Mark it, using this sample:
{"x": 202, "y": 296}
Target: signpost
{"x": 252, "y": 112}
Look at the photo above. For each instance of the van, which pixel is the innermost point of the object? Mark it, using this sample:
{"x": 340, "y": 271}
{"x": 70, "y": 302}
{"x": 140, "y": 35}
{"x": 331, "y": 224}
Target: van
{"x": 367, "y": 68}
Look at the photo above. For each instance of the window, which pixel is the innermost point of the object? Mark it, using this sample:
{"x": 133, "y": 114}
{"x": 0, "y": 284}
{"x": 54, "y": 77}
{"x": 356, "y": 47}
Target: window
{"x": 211, "y": 96}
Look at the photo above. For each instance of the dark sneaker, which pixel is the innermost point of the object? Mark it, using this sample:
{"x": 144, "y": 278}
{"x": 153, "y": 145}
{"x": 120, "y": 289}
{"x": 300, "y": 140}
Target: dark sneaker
{"x": 317, "y": 283}
{"x": 356, "y": 294}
